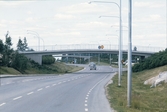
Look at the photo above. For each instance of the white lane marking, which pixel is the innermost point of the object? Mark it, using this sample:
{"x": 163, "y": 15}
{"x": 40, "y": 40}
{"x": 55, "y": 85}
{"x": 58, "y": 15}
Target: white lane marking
{"x": 54, "y": 84}
{"x": 47, "y": 86}
{"x": 7, "y": 83}
{"x": 86, "y": 101}
{"x": 17, "y": 98}
{"x": 86, "y": 109}
{"x": 2, "y": 104}
{"x": 40, "y": 89}
{"x": 86, "y": 98}
{"x": 30, "y": 93}
{"x": 86, "y": 105}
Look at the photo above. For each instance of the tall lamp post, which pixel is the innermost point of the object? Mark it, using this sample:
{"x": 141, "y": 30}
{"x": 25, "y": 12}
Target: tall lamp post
{"x": 129, "y": 80}
{"x": 120, "y": 38}
{"x": 37, "y": 35}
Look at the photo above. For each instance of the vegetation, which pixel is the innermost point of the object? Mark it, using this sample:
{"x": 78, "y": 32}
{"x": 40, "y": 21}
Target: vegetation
{"x": 57, "y": 67}
{"x": 48, "y": 59}
{"x": 8, "y": 70}
{"x": 144, "y": 98}
{"x": 156, "y": 60}
{"x": 10, "y": 59}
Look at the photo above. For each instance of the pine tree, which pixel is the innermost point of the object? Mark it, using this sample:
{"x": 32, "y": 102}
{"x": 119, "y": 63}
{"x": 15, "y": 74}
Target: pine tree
{"x": 7, "y": 53}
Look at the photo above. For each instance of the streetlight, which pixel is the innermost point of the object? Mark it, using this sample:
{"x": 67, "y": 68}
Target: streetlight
{"x": 129, "y": 80}
{"x": 37, "y": 35}
{"x": 120, "y": 39}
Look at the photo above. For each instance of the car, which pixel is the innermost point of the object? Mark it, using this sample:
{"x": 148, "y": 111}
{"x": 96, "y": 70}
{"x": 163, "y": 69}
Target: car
{"x": 92, "y": 66}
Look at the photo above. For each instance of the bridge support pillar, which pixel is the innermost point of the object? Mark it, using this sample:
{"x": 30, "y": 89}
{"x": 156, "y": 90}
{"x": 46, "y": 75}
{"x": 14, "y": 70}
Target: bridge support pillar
{"x": 36, "y": 58}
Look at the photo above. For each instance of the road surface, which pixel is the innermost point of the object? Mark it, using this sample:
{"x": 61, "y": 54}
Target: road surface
{"x": 82, "y": 91}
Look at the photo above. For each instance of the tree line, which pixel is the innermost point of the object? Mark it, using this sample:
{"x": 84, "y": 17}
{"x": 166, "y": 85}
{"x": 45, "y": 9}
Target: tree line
{"x": 156, "y": 60}
{"x": 11, "y": 58}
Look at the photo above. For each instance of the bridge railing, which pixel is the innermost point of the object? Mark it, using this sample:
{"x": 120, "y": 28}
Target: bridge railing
{"x": 93, "y": 46}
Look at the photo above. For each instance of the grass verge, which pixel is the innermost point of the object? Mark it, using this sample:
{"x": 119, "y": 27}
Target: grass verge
{"x": 144, "y": 98}
{"x": 56, "y": 68}
{"x": 8, "y": 70}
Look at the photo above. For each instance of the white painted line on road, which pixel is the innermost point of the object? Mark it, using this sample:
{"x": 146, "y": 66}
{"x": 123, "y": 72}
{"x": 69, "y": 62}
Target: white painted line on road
{"x": 7, "y": 83}
{"x": 86, "y": 101}
{"x": 86, "y": 98}
{"x": 47, "y": 86}
{"x": 17, "y": 98}
{"x": 2, "y": 104}
{"x": 30, "y": 93}
{"x": 40, "y": 89}
{"x": 54, "y": 84}
{"x": 86, "y": 109}
{"x": 86, "y": 105}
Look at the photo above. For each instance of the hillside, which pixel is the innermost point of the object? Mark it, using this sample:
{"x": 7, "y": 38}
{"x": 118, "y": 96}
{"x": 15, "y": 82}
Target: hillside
{"x": 144, "y": 98}
{"x": 34, "y": 68}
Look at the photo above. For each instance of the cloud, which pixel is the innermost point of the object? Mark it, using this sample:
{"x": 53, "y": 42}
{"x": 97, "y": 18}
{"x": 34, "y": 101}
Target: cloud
{"x": 64, "y": 16}
{"x": 13, "y": 3}
{"x": 91, "y": 25}
{"x": 83, "y": 8}
{"x": 149, "y": 4}
{"x": 149, "y": 18}
{"x": 29, "y": 12}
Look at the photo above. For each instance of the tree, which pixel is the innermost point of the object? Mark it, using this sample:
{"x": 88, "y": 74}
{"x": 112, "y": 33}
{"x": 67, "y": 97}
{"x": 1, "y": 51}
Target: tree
{"x": 1, "y": 46}
{"x": 135, "y": 48}
{"x": 19, "y": 62}
{"x": 25, "y": 44}
{"x": 7, "y": 52}
{"x": 22, "y": 45}
{"x": 1, "y": 50}
{"x": 48, "y": 59}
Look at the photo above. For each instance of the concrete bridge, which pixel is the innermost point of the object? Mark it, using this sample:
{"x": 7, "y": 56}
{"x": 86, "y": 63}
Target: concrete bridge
{"x": 38, "y": 52}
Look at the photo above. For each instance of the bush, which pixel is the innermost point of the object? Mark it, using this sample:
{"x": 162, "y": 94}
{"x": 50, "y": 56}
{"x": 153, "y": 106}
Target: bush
{"x": 156, "y": 60}
{"x": 49, "y": 59}
{"x": 19, "y": 61}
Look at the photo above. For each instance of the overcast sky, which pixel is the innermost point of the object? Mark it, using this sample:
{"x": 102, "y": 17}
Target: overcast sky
{"x": 77, "y": 22}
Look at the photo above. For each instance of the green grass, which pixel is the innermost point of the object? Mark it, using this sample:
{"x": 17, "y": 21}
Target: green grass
{"x": 8, "y": 70}
{"x": 144, "y": 98}
{"x": 56, "y": 68}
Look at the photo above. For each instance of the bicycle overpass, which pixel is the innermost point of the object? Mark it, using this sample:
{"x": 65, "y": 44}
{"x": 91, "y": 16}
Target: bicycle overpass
{"x": 86, "y": 48}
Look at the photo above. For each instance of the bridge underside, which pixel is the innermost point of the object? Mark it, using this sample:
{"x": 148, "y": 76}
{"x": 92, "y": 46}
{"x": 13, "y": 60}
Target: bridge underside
{"x": 37, "y": 55}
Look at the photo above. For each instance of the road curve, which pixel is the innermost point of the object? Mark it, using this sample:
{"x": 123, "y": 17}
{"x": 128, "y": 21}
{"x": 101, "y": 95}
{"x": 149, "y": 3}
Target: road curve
{"x": 82, "y": 91}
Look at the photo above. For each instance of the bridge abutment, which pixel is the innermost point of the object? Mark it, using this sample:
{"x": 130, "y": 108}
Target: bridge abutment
{"x": 35, "y": 57}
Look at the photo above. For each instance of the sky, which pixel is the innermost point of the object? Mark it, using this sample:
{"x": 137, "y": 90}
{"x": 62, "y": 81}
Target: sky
{"x": 63, "y": 22}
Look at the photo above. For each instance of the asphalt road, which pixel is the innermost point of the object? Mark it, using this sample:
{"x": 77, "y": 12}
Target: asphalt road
{"x": 82, "y": 91}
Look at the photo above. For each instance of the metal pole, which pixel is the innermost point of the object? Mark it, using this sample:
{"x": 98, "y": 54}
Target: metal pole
{"x": 129, "y": 80}
{"x": 120, "y": 40}
{"x": 35, "y": 33}
{"x": 166, "y": 24}
{"x": 120, "y": 47}
{"x": 110, "y": 59}
{"x": 89, "y": 57}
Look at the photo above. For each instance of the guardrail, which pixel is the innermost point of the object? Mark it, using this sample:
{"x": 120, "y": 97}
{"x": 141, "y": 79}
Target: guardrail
{"x": 93, "y": 46}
